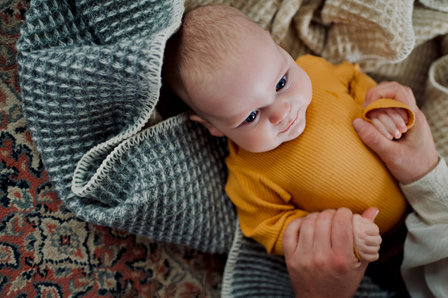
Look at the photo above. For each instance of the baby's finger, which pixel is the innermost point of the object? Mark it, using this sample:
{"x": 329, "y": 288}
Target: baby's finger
{"x": 381, "y": 123}
{"x": 397, "y": 118}
{"x": 371, "y": 229}
{"x": 373, "y": 241}
{"x": 403, "y": 114}
{"x": 370, "y": 257}
{"x": 390, "y": 121}
{"x": 369, "y": 250}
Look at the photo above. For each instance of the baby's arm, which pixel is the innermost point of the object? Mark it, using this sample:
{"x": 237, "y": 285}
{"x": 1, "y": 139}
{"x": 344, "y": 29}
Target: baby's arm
{"x": 366, "y": 236}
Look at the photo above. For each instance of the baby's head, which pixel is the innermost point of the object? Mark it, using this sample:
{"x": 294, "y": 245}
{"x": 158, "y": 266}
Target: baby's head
{"x": 236, "y": 79}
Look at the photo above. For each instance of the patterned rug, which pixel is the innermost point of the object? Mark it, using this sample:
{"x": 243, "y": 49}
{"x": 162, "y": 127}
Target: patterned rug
{"x": 45, "y": 251}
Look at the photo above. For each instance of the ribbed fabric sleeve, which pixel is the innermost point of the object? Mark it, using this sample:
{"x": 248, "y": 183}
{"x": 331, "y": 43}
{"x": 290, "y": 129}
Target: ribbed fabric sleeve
{"x": 263, "y": 207}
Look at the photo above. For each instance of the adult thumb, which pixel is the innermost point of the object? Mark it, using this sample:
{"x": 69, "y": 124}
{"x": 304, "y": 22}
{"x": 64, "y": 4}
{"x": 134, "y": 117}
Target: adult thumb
{"x": 370, "y": 213}
{"x": 372, "y": 137}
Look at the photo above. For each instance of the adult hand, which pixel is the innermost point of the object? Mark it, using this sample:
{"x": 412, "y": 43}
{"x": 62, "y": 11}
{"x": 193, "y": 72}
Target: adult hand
{"x": 412, "y": 156}
{"x": 320, "y": 258}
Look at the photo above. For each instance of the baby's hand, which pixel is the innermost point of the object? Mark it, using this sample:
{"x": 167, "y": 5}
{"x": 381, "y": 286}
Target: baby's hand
{"x": 410, "y": 158}
{"x": 390, "y": 122}
{"x": 367, "y": 238}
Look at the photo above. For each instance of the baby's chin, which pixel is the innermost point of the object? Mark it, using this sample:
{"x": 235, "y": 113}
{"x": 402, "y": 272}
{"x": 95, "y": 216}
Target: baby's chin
{"x": 288, "y": 136}
{"x": 261, "y": 149}
{"x": 296, "y": 131}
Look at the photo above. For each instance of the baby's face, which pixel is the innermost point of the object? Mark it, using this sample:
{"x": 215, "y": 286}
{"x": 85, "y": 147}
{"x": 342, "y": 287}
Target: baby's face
{"x": 258, "y": 102}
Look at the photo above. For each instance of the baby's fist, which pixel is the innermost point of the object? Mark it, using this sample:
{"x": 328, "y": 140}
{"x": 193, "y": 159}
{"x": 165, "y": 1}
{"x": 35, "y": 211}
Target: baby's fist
{"x": 367, "y": 238}
{"x": 390, "y": 122}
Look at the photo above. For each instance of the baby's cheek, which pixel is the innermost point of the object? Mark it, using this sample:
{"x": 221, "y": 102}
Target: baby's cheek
{"x": 260, "y": 142}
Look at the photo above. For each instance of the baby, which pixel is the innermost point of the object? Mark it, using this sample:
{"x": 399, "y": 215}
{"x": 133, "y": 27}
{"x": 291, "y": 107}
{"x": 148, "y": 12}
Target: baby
{"x": 292, "y": 146}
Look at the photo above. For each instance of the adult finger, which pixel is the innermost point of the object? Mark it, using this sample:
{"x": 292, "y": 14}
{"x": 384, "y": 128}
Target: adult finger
{"x": 342, "y": 231}
{"x": 306, "y": 235}
{"x": 392, "y": 90}
{"x": 322, "y": 236}
{"x": 291, "y": 237}
{"x": 373, "y": 138}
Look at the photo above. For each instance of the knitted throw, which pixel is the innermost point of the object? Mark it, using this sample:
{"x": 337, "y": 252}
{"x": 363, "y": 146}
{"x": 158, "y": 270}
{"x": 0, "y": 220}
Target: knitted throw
{"x": 90, "y": 78}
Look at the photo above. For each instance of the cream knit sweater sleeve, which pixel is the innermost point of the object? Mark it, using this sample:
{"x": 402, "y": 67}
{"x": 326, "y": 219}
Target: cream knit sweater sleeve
{"x": 425, "y": 264}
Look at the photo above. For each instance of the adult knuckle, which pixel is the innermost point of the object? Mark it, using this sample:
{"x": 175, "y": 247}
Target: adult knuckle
{"x": 345, "y": 210}
{"x": 344, "y": 214}
{"x": 340, "y": 264}
{"x": 295, "y": 266}
{"x": 320, "y": 260}
{"x": 305, "y": 266}
{"x": 420, "y": 114}
{"x": 326, "y": 215}
{"x": 307, "y": 225}
{"x": 329, "y": 211}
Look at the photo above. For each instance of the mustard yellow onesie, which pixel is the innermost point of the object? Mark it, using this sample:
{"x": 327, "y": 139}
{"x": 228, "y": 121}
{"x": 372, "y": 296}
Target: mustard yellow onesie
{"x": 327, "y": 166}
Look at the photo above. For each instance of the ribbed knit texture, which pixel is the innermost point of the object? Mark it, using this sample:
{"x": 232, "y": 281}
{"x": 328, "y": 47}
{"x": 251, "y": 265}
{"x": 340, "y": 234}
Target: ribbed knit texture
{"x": 90, "y": 79}
{"x": 326, "y": 167}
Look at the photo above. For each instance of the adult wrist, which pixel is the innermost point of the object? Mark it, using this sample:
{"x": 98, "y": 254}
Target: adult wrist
{"x": 432, "y": 164}
{"x": 428, "y": 196}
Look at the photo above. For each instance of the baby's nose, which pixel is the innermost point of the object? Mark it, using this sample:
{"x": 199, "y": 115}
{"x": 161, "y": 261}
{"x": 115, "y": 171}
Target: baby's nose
{"x": 279, "y": 112}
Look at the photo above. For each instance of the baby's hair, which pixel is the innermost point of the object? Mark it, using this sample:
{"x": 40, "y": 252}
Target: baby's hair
{"x": 208, "y": 37}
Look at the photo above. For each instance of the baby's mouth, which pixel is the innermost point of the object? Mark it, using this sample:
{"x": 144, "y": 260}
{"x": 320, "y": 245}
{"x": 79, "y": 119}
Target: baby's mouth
{"x": 290, "y": 124}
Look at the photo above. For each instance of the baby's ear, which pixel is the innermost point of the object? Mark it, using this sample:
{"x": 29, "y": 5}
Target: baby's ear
{"x": 211, "y": 128}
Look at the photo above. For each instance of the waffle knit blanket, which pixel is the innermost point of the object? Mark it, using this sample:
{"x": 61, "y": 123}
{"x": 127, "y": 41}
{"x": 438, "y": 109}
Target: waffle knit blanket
{"x": 90, "y": 79}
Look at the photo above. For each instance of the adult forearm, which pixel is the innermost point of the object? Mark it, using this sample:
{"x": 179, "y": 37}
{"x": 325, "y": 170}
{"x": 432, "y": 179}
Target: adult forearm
{"x": 428, "y": 196}
{"x": 425, "y": 263}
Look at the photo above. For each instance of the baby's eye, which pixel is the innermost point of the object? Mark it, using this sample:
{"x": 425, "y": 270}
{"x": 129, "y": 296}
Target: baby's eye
{"x": 252, "y": 116}
{"x": 281, "y": 83}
